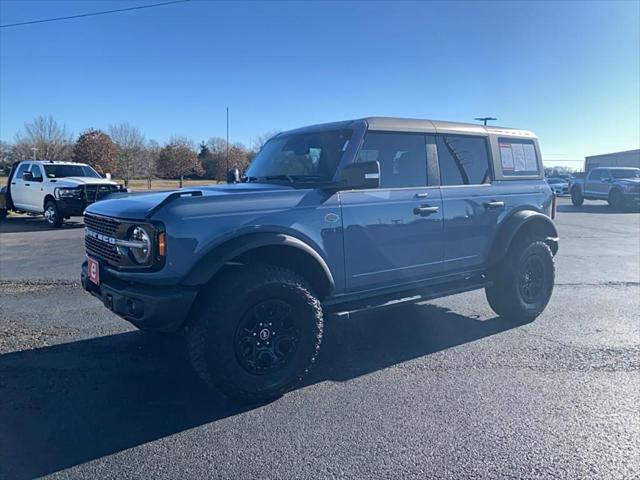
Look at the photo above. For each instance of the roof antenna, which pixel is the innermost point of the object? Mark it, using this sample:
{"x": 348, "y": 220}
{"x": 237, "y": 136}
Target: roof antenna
{"x": 484, "y": 120}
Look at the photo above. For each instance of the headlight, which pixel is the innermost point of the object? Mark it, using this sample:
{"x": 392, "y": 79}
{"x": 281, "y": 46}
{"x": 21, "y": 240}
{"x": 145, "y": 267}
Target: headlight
{"x": 142, "y": 251}
{"x": 67, "y": 192}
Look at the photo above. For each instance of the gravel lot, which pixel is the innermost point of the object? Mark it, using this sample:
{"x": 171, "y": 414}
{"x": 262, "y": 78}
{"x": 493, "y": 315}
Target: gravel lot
{"x": 443, "y": 390}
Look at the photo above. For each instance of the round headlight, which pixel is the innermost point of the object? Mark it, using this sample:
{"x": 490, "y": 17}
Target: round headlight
{"x": 141, "y": 254}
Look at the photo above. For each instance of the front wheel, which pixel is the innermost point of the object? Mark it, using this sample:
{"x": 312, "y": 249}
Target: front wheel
{"x": 523, "y": 283}
{"x": 616, "y": 199}
{"x": 576, "y": 197}
{"x": 52, "y": 214}
{"x": 257, "y": 334}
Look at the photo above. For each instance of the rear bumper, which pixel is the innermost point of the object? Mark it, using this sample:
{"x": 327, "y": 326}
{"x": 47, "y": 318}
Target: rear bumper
{"x": 161, "y": 309}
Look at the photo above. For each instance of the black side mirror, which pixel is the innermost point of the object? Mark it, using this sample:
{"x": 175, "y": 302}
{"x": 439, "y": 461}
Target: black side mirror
{"x": 361, "y": 175}
{"x": 27, "y": 176}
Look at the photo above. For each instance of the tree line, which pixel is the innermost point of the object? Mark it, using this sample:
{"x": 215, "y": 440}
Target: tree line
{"x": 123, "y": 151}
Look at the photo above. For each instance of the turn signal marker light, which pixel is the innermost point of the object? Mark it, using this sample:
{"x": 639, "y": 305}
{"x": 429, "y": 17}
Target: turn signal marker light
{"x": 162, "y": 247}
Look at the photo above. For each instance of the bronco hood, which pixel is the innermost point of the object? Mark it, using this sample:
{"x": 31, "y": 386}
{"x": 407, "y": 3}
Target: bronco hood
{"x": 142, "y": 205}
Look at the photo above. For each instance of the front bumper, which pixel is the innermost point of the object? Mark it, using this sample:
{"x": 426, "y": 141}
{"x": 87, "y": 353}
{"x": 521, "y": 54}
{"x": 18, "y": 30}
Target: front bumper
{"x": 632, "y": 197}
{"x": 161, "y": 309}
{"x": 72, "y": 206}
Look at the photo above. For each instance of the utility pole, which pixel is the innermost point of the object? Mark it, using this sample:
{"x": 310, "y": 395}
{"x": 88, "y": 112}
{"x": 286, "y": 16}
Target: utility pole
{"x": 227, "y": 172}
{"x": 34, "y": 152}
{"x": 485, "y": 119}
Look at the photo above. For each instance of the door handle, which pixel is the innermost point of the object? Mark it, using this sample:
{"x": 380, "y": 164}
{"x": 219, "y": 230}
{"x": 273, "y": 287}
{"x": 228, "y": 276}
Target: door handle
{"x": 425, "y": 210}
{"x": 13, "y": 183}
{"x": 422, "y": 195}
{"x": 494, "y": 204}
{"x": 27, "y": 184}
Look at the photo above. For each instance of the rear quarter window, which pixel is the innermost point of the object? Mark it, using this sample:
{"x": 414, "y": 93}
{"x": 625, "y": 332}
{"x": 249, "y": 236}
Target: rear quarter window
{"x": 518, "y": 157}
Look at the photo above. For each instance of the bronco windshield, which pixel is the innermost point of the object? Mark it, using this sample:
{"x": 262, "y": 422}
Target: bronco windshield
{"x": 60, "y": 171}
{"x": 626, "y": 173}
{"x": 300, "y": 157}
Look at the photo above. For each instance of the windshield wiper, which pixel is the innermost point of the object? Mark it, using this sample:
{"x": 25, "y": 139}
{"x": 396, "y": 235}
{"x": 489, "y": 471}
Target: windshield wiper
{"x": 283, "y": 176}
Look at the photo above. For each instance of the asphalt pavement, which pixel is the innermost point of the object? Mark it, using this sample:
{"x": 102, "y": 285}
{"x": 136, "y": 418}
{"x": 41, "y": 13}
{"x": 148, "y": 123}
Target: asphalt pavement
{"x": 443, "y": 389}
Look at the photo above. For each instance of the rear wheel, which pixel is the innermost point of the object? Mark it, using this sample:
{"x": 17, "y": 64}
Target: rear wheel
{"x": 52, "y": 214}
{"x": 616, "y": 199}
{"x": 258, "y": 334}
{"x": 576, "y": 197}
{"x": 523, "y": 283}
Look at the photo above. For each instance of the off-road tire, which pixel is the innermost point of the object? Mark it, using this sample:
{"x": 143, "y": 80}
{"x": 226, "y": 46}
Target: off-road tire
{"x": 56, "y": 218}
{"x": 219, "y": 317}
{"x": 616, "y": 199}
{"x": 506, "y": 296}
{"x": 576, "y": 197}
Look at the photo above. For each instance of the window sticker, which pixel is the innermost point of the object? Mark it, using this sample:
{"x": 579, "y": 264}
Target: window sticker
{"x": 530, "y": 164}
{"x": 518, "y": 157}
{"x": 506, "y": 156}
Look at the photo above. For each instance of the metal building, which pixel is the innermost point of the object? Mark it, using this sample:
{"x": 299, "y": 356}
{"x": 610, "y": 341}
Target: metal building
{"x": 630, "y": 158}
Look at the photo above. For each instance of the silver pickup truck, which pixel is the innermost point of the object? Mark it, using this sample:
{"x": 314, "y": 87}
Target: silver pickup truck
{"x": 620, "y": 186}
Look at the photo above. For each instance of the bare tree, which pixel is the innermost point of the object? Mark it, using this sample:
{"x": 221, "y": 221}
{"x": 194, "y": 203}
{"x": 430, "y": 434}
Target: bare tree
{"x": 259, "y": 141}
{"x": 178, "y": 158}
{"x": 130, "y": 143}
{"x": 50, "y": 139}
{"x": 151, "y": 155}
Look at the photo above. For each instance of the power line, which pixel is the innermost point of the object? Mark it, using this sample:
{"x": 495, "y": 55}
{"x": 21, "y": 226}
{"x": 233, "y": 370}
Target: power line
{"x": 92, "y": 14}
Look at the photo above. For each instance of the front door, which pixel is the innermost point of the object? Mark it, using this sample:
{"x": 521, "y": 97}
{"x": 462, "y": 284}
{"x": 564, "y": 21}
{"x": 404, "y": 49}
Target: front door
{"x": 393, "y": 234}
{"x": 598, "y": 183}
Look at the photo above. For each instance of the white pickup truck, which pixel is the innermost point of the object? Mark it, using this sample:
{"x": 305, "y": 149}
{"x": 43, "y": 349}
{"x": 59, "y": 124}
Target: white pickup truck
{"x": 57, "y": 190}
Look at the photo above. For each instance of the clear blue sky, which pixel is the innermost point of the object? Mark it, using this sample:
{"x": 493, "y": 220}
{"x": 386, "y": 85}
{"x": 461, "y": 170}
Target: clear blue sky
{"x": 570, "y": 71}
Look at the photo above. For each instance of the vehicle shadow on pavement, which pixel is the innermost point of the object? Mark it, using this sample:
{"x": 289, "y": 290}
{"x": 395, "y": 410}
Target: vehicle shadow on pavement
{"x": 23, "y": 224}
{"x": 602, "y": 208}
{"x": 68, "y": 404}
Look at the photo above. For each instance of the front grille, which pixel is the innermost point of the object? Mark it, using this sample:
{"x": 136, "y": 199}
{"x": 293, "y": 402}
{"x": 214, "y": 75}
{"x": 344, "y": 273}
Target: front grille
{"x": 93, "y": 193}
{"x": 103, "y": 225}
{"x": 100, "y": 249}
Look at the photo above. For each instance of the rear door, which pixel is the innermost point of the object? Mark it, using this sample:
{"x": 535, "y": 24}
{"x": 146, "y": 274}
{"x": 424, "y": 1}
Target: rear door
{"x": 471, "y": 207}
{"x": 393, "y": 234}
{"x": 19, "y": 186}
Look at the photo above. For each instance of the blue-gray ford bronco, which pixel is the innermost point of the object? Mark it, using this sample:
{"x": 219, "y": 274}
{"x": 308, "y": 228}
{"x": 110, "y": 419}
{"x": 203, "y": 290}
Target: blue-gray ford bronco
{"x": 327, "y": 218}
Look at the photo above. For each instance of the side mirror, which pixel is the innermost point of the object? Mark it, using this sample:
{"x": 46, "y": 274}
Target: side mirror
{"x": 361, "y": 175}
{"x": 27, "y": 176}
{"x": 233, "y": 176}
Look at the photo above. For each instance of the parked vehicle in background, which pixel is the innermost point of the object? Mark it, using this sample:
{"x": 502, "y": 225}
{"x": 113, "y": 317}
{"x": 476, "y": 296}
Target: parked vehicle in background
{"x": 559, "y": 186}
{"x": 56, "y": 190}
{"x": 620, "y": 186}
{"x": 333, "y": 217}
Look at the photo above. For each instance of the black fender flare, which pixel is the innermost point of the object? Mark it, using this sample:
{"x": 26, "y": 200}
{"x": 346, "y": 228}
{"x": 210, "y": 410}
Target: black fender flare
{"x": 219, "y": 255}
{"x": 514, "y": 224}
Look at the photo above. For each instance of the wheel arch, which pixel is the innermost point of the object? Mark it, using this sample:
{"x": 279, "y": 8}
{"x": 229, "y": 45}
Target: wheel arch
{"x": 272, "y": 248}
{"x": 48, "y": 197}
{"x": 523, "y": 222}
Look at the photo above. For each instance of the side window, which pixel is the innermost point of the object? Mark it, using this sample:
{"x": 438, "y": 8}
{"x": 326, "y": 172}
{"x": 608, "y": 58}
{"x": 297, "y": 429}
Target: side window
{"x": 599, "y": 175}
{"x": 36, "y": 170}
{"x": 518, "y": 157}
{"x": 21, "y": 169}
{"x": 464, "y": 160}
{"x": 402, "y": 158}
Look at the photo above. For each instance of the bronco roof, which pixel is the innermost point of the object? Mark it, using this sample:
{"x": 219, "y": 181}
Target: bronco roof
{"x": 420, "y": 125}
